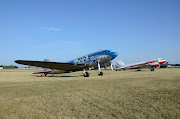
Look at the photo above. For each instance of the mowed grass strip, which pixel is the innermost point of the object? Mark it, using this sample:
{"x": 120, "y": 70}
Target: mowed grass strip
{"x": 121, "y": 94}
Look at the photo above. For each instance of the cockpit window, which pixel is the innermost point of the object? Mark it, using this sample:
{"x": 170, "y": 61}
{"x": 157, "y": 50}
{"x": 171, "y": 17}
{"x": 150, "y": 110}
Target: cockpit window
{"x": 107, "y": 51}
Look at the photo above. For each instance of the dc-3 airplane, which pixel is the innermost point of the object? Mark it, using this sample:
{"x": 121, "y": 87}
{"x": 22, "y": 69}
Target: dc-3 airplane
{"x": 145, "y": 64}
{"x": 97, "y": 60}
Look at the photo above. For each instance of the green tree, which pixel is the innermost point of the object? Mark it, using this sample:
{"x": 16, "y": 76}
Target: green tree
{"x": 16, "y": 67}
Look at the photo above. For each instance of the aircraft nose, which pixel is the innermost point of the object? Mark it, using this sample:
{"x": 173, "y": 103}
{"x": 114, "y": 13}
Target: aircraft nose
{"x": 165, "y": 61}
{"x": 113, "y": 55}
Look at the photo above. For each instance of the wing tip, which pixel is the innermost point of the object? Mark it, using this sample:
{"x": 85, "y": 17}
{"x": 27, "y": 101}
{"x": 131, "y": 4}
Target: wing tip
{"x": 17, "y": 61}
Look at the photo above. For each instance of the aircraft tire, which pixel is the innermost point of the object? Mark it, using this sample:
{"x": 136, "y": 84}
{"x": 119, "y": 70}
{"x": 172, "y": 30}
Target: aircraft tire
{"x": 152, "y": 69}
{"x": 86, "y": 74}
{"x": 100, "y": 73}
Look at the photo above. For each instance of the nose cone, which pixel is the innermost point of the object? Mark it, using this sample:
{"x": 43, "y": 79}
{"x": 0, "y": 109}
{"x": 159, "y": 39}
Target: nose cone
{"x": 164, "y": 61}
{"x": 113, "y": 54}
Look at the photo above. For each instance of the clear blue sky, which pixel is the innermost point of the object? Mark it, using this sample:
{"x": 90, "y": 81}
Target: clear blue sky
{"x": 61, "y": 30}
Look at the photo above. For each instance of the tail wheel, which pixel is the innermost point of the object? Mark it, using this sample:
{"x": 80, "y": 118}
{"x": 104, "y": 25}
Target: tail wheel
{"x": 86, "y": 74}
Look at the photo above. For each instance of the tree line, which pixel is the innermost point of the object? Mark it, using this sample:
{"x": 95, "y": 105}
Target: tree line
{"x": 9, "y": 67}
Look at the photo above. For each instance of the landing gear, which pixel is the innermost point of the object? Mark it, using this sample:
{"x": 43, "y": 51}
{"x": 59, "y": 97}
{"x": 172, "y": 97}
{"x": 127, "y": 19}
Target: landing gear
{"x": 111, "y": 66}
{"x": 100, "y": 73}
{"x": 86, "y": 74}
{"x": 99, "y": 68}
{"x": 152, "y": 69}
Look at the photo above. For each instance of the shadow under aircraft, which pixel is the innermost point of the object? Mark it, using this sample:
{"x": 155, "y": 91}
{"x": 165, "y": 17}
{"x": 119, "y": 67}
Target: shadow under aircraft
{"x": 94, "y": 60}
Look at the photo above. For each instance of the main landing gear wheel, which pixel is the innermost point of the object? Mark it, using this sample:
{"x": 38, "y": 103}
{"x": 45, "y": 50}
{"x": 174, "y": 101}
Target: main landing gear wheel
{"x": 152, "y": 69}
{"x": 86, "y": 74}
{"x": 100, "y": 73}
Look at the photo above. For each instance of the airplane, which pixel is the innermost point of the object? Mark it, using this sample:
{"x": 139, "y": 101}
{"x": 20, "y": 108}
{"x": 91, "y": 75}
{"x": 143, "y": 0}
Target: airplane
{"x": 145, "y": 64}
{"x": 96, "y": 60}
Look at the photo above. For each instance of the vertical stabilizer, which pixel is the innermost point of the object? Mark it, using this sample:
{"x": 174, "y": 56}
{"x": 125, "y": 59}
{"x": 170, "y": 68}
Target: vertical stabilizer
{"x": 120, "y": 63}
{"x": 46, "y": 69}
{"x": 46, "y": 60}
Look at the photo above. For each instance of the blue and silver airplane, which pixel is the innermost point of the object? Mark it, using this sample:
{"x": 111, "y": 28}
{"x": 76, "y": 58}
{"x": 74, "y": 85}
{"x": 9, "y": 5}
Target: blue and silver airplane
{"x": 96, "y": 60}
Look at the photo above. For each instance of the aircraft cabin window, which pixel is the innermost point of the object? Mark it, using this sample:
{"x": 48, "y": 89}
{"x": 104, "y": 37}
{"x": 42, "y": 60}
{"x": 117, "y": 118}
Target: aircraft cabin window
{"x": 84, "y": 60}
{"x": 89, "y": 58}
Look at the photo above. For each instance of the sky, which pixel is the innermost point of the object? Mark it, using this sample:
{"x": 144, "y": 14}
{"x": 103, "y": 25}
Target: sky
{"x": 61, "y": 30}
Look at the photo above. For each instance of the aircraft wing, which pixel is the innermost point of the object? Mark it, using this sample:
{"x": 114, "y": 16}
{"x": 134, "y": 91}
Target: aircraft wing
{"x": 52, "y": 65}
{"x": 147, "y": 65}
{"x": 143, "y": 66}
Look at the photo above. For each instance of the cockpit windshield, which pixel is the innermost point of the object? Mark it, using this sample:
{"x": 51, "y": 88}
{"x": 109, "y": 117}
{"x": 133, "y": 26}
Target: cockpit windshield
{"x": 107, "y": 51}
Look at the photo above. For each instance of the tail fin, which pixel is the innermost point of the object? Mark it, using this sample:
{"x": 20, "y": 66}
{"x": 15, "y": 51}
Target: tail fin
{"x": 46, "y": 69}
{"x": 120, "y": 63}
{"x": 46, "y": 60}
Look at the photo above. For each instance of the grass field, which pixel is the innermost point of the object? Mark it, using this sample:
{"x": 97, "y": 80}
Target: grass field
{"x": 122, "y": 94}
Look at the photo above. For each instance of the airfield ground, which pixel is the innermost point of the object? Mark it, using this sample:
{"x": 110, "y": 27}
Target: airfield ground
{"x": 122, "y": 94}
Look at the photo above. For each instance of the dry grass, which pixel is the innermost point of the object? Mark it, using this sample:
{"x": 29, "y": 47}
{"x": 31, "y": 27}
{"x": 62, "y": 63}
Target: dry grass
{"x": 122, "y": 94}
